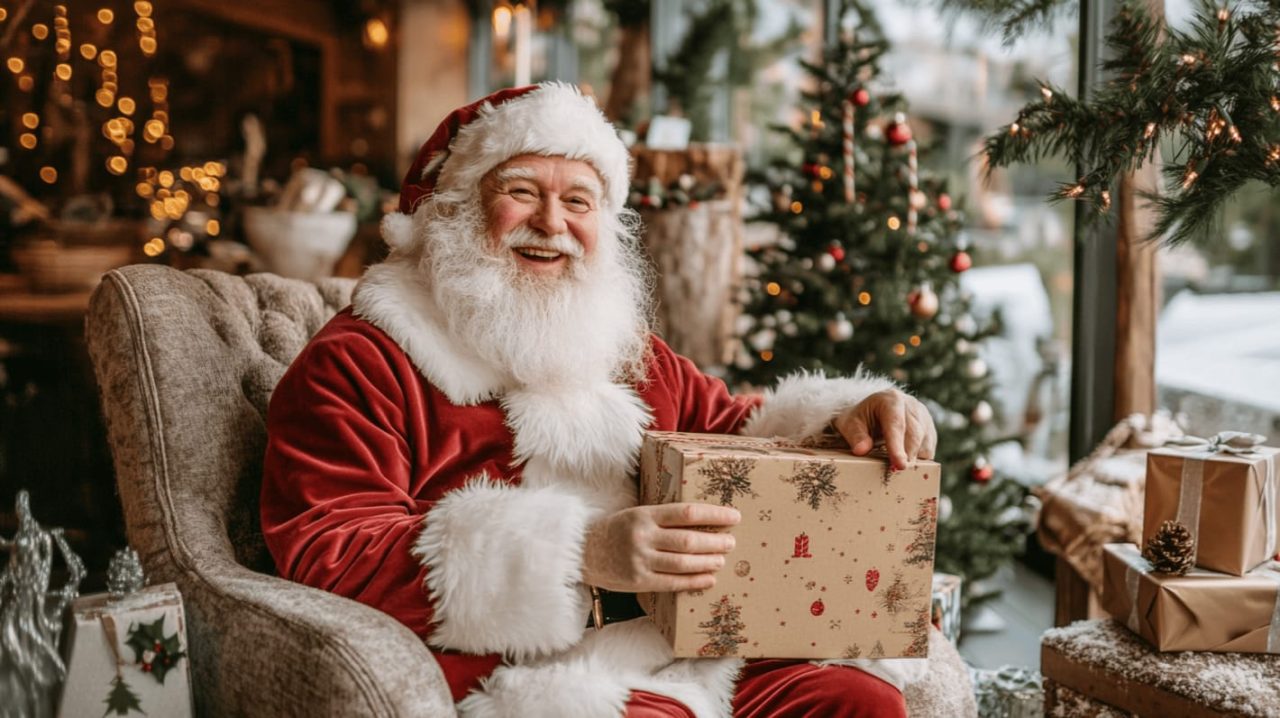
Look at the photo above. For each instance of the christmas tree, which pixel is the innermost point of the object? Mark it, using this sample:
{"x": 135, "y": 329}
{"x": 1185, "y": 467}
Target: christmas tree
{"x": 815, "y": 481}
{"x": 723, "y": 629}
{"x": 726, "y": 478}
{"x": 868, "y": 274}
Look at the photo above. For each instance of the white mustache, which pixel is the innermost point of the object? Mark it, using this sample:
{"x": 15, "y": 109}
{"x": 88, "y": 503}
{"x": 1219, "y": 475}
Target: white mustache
{"x": 525, "y": 238}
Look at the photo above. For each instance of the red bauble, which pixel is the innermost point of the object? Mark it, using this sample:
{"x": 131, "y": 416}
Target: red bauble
{"x": 982, "y": 472}
{"x": 944, "y": 202}
{"x": 873, "y": 579}
{"x": 860, "y": 97}
{"x": 817, "y": 608}
{"x": 836, "y": 252}
{"x": 898, "y": 133}
{"x": 811, "y": 169}
{"x": 961, "y": 261}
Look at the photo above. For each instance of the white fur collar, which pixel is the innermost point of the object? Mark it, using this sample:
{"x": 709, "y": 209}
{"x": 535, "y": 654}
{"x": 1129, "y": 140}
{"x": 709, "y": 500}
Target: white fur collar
{"x": 392, "y": 297}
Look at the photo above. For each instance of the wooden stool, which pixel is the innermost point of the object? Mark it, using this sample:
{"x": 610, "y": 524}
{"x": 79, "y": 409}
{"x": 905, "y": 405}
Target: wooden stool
{"x": 1099, "y": 669}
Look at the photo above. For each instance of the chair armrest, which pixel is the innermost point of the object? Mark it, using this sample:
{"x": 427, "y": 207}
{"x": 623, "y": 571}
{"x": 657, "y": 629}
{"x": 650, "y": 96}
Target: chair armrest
{"x": 267, "y": 646}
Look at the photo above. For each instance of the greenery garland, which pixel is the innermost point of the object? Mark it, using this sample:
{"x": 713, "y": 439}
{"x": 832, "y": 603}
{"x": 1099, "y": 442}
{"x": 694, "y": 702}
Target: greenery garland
{"x": 1208, "y": 96}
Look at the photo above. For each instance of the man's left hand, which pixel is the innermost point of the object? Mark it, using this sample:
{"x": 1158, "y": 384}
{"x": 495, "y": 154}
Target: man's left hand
{"x": 900, "y": 420}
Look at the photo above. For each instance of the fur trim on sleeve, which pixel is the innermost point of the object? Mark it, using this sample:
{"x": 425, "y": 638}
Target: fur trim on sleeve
{"x": 802, "y": 405}
{"x": 504, "y": 567}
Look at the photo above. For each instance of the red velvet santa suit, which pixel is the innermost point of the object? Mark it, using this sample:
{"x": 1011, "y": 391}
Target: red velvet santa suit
{"x": 408, "y": 473}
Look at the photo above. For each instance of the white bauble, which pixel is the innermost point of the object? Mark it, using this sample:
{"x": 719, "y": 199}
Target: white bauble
{"x": 976, "y": 368}
{"x": 944, "y": 508}
{"x": 982, "y": 413}
{"x": 966, "y": 324}
{"x": 839, "y": 329}
{"x": 826, "y": 262}
{"x": 762, "y": 341}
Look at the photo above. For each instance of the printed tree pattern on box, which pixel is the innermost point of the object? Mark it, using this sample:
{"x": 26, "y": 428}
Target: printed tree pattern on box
{"x": 815, "y": 484}
{"x": 724, "y": 629}
{"x": 895, "y": 596}
{"x": 877, "y": 651}
{"x": 925, "y": 530}
{"x": 727, "y": 477}
{"x": 854, "y": 651}
{"x": 918, "y": 629}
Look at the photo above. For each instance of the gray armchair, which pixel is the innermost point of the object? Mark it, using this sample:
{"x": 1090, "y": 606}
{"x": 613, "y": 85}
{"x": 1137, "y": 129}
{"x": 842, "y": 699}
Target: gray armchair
{"x": 186, "y": 362}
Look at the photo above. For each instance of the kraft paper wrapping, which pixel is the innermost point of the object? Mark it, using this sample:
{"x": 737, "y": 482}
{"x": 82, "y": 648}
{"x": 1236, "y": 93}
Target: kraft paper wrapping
{"x": 834, "y": 555}
{"x": 1201, "y": 611}
{"x": 1228, "y": 514}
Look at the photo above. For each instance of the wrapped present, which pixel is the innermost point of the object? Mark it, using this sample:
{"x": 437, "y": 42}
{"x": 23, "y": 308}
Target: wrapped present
{"x": 1010, "y": 692}
{"x": 1223, "y": 490}
{"x": 128, "y": 654}
{"x": 1097, "y": 669}
{"x": 946, "y": 605}
{"x": 834, "y": 555}
{"x": 1201, "y": 611}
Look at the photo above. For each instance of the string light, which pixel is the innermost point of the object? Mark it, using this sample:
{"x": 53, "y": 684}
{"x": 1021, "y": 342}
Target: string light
{"x": 1014, "y": 128}
{"x": 144, "y": 189}
{"x": 796, "y": 207}
{"x": 915, "y": 340}
{"x": 105, "y": 16}
{"x": 1046, "y": 93}
{"x": 27, "y": 140}
{"x": 142, "y": 8}
{"x": 894, "y": 223}
{"x": 864, "y": 298}
{"x": 1149, "y": 131}
{"x": 1106, "y": 199}
{"x": 923, "y": 246}
{"x": 773, "y": 289}
{"x": 825, "y": 172}
{"x": 88, "y": 51}
{"x": 766, "y": 355}
{"x": 1273, "y": 154}
{"x": 1075, "y": 191}
{"x": 40, "y": 31}
{"x": 212, "y": 227}
{"x": 900, "y": 349}
{"x": 153, "y": 247}
{"x": 3, "y": 14}
{"x": 107, "y": 58}
{"x": 1189, "y": 178}
{"x": 63, "y": 71}
{"x": 15, "y": 65}
{"x": 26, "y": 82}
{"x": 48, "y": 174}
{"x": 30, "y": 120}
{"x": 117, "y": 165}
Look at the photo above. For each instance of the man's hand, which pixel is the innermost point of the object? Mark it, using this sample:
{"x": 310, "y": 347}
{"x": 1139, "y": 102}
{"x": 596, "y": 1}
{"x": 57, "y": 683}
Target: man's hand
{"x": 900, "y": 420}
{"x": 658, "y": 548}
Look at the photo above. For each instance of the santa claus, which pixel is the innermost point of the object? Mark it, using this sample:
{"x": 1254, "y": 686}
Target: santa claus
{"x": 458, "y": 448}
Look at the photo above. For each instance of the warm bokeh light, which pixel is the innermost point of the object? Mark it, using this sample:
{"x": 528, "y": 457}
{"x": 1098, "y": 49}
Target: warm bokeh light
{"x": 107, "y": 58}
{"x": 144, "y": 189}
{"x": 796, "y": 207}
{"x": 25, "y": 83}
{"x": 88, "y": 51}
{"x": 143, "y": 8}
{"x": 212, "y": 227}
{"x": 146, "y": 24}
{"x": 105, "y": 98}
{"x": 864, "y": 298}
{"x": 166, "y": 179}
{"x": 153, "y": 130}
{"x": 117, "y": 165}
{"x": 153, "y": 247}
{"x": 899, "y": 348}
{"x": 27, "y": 140}
{"x": 501, "y": 22}
{"x": 773, "y": 288}
{"x": 48, "y": 174}
{"x": 62, "y": 71}
{"x": 166, "y": 142}
{"x": 3, "y": 14}
{"x": 40, "y": 31}
{"x": 15, "y": 65}
{"x": 105, "y": 16}
{"x": 894, "y": 223}
{"x": 766, "y": 355}
{"x": 126, "y": 105}
{"x": 376, "y": 33}
{"x": 148, "y": 45}
{"x": 30, "y": 120}
{"x": 915, "y": 340}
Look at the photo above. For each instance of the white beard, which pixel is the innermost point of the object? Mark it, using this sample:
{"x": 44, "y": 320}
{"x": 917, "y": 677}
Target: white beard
{"x": 590, "y": 323}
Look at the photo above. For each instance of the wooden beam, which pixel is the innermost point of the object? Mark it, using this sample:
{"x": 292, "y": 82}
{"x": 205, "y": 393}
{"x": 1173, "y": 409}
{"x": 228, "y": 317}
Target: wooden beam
{"x": 303, "y": 20}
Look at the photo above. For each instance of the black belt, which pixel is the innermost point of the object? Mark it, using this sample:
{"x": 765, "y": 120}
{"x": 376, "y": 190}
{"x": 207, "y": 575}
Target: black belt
{"x": 617, "y": 607}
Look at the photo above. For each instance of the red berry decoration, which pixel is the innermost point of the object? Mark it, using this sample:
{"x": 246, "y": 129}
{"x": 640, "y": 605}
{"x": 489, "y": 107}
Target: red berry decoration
{"x": 961, "y": 261}
{"x": 861, "y": 97}
{"x": 982, "y": 472}
{"x": 836, "y": 252}
{"x": 873, "y": 579}
{"x": 944, "y": 202}
{"x": 817, "y": 608}
{"x": 898, "y": 132}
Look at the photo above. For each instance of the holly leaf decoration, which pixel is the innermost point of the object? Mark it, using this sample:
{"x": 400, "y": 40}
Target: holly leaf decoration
{"x": 122, "y": 699}
{"x": 155, "y": 652}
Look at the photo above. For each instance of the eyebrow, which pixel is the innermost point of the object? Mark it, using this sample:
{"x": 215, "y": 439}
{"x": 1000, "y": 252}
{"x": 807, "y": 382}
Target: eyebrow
{"x": 581, "y": 182}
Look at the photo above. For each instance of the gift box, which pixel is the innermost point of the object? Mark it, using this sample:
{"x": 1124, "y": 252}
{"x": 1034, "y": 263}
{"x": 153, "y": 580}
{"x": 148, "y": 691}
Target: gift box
{"x": 1010, "y": 692}
{"x": 945, "y": 614}
{"x": 129, "y": 655}
{"x": 1223, "y": 490}
{"x": 834, "y": 555}
{"x": 1201, "y": 611}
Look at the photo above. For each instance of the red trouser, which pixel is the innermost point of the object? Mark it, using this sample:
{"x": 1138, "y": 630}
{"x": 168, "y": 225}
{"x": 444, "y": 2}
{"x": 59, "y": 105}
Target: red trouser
{"x": 791, "y": 689}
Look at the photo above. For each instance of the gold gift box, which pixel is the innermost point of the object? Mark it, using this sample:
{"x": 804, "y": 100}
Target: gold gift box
{"x": 834, "y": 555}
{"x": 1201, "y": 611}
{"x": 1233, "y": 504}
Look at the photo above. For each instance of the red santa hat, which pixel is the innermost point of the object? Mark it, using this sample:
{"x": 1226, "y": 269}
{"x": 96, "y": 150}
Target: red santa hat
{"x": 550, "y": 119}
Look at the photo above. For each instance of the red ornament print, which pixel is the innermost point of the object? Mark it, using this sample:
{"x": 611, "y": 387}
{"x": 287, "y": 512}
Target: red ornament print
{"x": 861, "y": 97}
{"x": 944, "y": 202}
{"x": 817, "y": 608}
{"x": 802, "y": 547}
{"x": 961, "y": 262}
{"x": 873, "y": 579}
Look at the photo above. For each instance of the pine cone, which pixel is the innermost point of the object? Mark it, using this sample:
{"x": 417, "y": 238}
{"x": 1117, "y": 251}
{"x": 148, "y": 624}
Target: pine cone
{"x": 1172, "y": 549}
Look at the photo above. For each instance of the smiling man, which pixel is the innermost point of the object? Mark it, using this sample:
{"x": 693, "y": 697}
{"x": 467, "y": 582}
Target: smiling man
{"x": 458, "y": 448}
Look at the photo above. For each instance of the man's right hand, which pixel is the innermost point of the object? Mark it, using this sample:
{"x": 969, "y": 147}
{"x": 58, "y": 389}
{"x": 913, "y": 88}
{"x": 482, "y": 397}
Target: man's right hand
{"x": 658, "y": 548}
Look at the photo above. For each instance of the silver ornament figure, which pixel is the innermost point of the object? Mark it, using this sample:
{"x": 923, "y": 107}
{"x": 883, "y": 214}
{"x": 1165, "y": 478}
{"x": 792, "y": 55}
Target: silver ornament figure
{"x": 31, "y": 668}
{"x": 124, "y": 574}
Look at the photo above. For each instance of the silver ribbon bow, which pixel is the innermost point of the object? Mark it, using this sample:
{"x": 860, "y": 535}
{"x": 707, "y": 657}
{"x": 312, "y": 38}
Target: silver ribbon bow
{"x": 1235, "y": 443}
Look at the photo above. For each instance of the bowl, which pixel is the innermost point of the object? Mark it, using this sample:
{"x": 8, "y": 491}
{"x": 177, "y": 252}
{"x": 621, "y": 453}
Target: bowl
{"x": 302, "y": 245}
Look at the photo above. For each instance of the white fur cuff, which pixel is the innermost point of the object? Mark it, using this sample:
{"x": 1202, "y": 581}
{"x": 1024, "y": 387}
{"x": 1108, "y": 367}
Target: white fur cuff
{"x": 504, "y": 565}
{"x": 802, "y": 404}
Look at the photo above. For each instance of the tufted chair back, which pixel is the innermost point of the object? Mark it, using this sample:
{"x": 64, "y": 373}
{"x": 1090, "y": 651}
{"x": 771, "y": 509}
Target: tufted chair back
{"x": 186, "y": 363}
